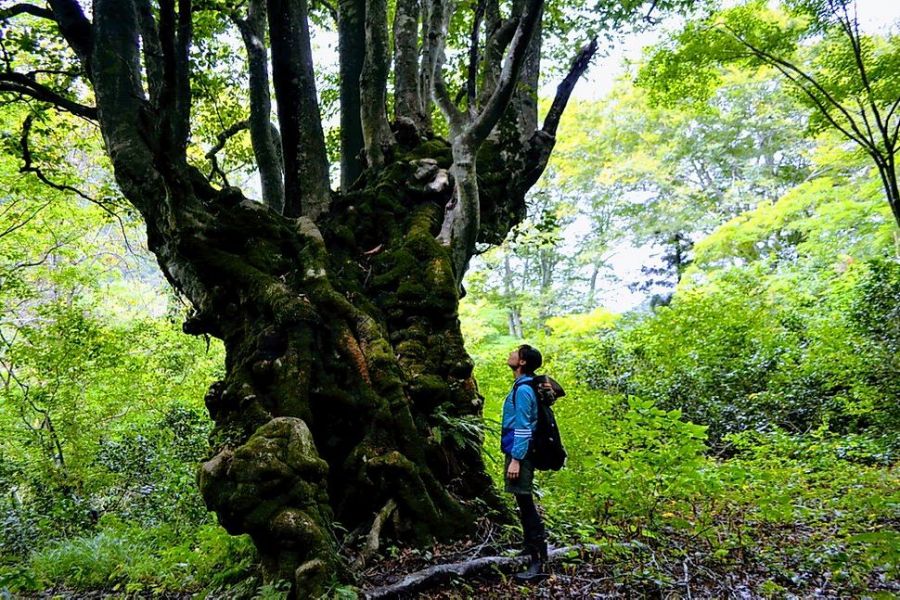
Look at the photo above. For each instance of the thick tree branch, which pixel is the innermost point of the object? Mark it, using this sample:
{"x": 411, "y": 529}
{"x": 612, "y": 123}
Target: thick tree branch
{"x": 153, "y": 53}
{"x": 76, "y": 29}
{"x": 265, "y": 148}
{"x": 351, "y": 52}
{"x": 120, "y": 103}
{"x": 184, "y": 39}
{"x": 435, "y": 18}
{"x": 472, "y": 75}
{"x": 407, "y": 95}
{"x": 459, "y": 230}
{"x": 499, "y": 35}
{"x": 455, "y": 117}
{"x": 221, "y": 140}
{"x": 22, "y": 84}
{"x": 497, "y": 103}
{"x": 25, "y": 9}
{"x": 175, "y": 32}
{"x": 432, "y": 74}
{"x": 377, "y": 133}
{"x": 565, "y": 87}
{"x": 306, "y": 185}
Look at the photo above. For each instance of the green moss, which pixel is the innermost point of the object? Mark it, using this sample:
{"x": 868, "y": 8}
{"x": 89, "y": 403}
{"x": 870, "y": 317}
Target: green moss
{"x": 428, "y": 390}
{"x": 437, "y": 149}
{"x": 411, "y": 292}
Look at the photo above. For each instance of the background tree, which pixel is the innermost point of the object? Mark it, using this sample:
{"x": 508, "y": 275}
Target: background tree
{"x": 841, "y": 74}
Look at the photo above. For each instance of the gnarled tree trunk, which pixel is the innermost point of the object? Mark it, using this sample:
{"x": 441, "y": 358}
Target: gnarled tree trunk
{"x": 347, "y": 386}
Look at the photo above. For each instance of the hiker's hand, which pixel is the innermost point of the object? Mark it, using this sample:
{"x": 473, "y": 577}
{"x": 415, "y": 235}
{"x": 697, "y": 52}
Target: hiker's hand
{"x": 513, "y": 471}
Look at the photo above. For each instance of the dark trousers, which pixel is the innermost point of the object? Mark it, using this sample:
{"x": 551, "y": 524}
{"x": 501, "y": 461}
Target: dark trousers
{"x": 532, "y": 526}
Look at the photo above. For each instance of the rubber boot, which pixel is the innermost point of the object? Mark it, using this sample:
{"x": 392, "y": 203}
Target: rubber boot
{"x": 535, "y": 570}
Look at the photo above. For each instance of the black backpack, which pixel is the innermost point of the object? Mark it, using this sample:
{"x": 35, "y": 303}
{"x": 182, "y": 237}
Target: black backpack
{"x": 546, "y": 451}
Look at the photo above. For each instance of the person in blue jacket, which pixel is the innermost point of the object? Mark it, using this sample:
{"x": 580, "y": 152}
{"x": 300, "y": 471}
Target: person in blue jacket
{"x": 520, "y": 413}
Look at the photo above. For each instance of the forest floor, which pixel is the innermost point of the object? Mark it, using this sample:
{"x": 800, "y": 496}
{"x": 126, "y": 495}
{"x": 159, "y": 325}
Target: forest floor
{"x": 784, "y": 561}
{"x": 764, "y": 569}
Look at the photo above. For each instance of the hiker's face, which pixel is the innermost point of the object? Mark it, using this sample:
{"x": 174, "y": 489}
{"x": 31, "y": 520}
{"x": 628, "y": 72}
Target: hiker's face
{"x": 514, "y": 361}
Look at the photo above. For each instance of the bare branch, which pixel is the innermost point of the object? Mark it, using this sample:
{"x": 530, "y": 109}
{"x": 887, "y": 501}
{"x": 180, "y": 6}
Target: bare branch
{"x": 30, "y": 167}
{"x": 19, "y": 224}
{"x": 38, "y": 262}
{"x": 428, "y": 577}
{"x": 565, "y": 87}
{"x": 25, "y": 9}
{"x": 221, "y": 140}
{"x": 22, "y": 84}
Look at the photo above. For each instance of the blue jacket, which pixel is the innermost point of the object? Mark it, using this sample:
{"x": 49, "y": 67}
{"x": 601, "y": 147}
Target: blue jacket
{"x": 519, "y": 419}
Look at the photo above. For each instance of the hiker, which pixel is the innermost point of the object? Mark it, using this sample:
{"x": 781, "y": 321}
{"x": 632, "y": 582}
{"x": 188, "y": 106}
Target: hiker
{"x": 520, "y": 415}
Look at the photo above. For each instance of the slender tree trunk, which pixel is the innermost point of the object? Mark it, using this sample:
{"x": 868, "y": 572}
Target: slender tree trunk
{"x": 263, "y": 135}
{"x": 595, "y": 271}
{"x": 306, "y": 180}
{"x": 892, "y": 190}
{"x": 351, "y": 53}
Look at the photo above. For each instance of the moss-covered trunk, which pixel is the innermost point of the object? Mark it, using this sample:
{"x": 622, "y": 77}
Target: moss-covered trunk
{"x": 347, "y": 383}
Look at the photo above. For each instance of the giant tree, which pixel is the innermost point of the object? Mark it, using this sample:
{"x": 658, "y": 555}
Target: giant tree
{"x": 337, "y": 309}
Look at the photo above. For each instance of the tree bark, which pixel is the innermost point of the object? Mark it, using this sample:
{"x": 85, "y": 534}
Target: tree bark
{"x": 407, "y": 95}
{"x": 377, "y": 135}
{"x": 262, "y": 132}
{"x": 306, "y": 181}
{"x": 351, "y": 52}
{"x": 347, "y": 387}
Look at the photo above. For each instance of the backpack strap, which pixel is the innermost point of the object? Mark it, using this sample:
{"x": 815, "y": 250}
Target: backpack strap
{"x": 516, "y": 387}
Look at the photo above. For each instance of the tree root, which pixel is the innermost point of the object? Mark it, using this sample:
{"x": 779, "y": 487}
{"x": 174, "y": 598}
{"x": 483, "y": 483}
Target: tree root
{"x": 431, "y": 576}
{"x": 374, "y": 538}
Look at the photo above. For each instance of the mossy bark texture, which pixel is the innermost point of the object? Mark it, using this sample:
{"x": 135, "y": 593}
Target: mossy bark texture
{"x": 347, "y": 382}
{"x": 347, "y": 386}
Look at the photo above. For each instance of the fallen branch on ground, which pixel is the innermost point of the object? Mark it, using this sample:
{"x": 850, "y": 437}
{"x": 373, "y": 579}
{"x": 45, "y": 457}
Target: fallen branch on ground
{"x": 420, "y": 580}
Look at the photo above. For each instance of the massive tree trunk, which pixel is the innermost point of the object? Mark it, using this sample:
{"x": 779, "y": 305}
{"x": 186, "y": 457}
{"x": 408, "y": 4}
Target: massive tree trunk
{"x": 348, "y": 390}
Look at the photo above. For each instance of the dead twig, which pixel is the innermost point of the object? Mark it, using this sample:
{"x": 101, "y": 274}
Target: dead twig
{"x": 428, "y": 577}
